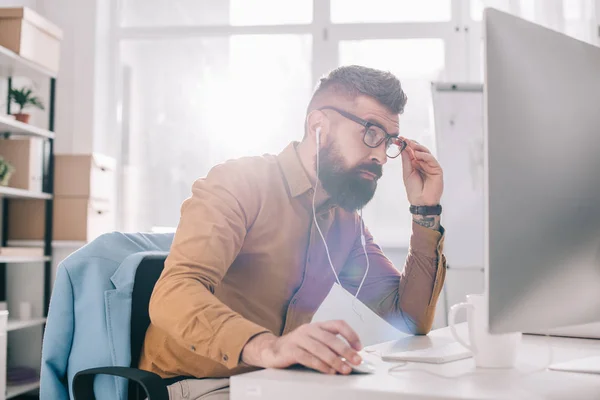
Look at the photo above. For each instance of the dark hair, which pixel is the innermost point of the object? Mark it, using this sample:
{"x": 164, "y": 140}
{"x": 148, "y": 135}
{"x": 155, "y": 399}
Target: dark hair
{"x": 355, "y": 80}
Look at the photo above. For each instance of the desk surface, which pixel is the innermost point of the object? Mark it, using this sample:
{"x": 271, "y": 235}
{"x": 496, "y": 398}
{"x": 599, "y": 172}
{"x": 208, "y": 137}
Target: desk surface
{"x": 459, "y": 380}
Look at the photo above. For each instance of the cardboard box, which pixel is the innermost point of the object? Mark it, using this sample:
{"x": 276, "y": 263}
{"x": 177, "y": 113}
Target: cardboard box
{"x": 75, "y": 219}
{"x": 31, "y": 36}
{"x": 85, "y": 175}
{"x": 81, "y": 219}
{"x": 26, "y": 219}
{"x": 26, "y": 155}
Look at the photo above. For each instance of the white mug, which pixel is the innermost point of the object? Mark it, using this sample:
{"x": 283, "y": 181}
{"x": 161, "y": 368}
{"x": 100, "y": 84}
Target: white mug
{"x": 489, "y": 350}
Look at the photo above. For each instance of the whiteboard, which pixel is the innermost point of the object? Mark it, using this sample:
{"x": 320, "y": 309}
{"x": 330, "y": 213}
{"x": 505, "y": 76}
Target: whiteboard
{"x": 458, "y": 118}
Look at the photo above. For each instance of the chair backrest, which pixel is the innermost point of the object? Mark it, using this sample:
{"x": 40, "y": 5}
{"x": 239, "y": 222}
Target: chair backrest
{"x": 146, "y": 275}
{"x": 89, "y": 321}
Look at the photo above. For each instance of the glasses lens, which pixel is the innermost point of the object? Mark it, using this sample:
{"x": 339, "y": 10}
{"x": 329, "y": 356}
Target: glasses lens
{"x": 394, "y": 148}
{"x": 393, "y": 151}
{"x": 374, "y": 136}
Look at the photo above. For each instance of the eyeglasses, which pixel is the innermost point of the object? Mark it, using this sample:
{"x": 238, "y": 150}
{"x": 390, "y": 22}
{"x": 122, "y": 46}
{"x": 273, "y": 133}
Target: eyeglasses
{"x": 375, "y": 134}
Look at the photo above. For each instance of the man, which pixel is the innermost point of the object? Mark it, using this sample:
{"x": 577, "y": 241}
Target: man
{"x": 248, "y": 267}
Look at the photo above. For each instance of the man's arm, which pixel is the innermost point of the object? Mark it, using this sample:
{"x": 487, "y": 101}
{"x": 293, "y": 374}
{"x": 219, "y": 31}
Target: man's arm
{"x": 428, "y": 221}
{"x": 210, "y": 234}
{"x": 406, "y": 298}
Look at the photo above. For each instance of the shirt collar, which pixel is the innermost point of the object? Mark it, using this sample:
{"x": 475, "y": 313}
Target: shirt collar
{"x": 295, "y": 176}
{"x": 298, "y": 182}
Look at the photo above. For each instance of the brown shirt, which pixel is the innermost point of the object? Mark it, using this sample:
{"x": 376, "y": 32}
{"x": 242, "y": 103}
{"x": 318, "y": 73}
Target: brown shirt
{"x": 247, "y": 258}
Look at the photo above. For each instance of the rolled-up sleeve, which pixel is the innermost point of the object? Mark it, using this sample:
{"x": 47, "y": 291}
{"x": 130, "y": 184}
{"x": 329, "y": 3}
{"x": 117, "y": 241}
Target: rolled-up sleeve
{"x": 407, "y": 298}
{"x": 210, "y": 234}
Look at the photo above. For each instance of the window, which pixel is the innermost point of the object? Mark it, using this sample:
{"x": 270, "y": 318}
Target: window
{"x": 360, "y": 11}
{"x": 202, "y": 81}
{"x": 203, "y": 101}
{"x": 156, "y": 13}
{"x": 575, "y": 18}
{"x": 477, "y": 7}
{"x": 221, "y": 88}
{"x": 271, "y": 12}
{"x": 579, "y": 19}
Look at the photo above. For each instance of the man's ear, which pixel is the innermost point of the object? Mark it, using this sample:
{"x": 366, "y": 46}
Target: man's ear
{"x": 316, "y": 120}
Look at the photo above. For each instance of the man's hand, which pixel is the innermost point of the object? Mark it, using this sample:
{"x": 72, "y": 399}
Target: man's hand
{"x": 313, "y": 345}
{"x": 423, "y": 175}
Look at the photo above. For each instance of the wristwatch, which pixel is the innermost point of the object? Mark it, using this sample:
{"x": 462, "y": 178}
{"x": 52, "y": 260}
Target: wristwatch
{"x": 426, "y": 210}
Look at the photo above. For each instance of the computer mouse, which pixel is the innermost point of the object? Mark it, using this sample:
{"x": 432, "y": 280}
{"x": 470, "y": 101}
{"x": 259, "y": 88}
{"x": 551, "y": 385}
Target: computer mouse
{"x": 365, "y": 367}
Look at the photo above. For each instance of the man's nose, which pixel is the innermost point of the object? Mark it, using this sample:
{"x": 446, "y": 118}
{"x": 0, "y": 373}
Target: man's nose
{"x": 378, "y": 154}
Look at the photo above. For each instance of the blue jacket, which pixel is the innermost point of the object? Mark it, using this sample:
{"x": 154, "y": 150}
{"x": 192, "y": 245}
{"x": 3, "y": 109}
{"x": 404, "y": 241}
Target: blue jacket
{"x": 90, "y": 310}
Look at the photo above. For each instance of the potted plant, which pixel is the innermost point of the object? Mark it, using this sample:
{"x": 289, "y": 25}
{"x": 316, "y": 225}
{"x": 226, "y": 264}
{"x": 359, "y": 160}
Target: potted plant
{"x": 6, "y": 171}
{"x": 24, "y": 98}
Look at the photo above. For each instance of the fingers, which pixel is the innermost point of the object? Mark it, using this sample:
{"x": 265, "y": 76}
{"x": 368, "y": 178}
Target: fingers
{"x": 330, "y": 359}
{"x": 339, "y": 347}
{"x": 419, "y": 147}
{"x": 427, "y": 157}
{"x": 342, "y": 328}
{"x": 427, "y": 162}
{"x": 311, "y": 361}
{"x": 316, "y": 346}
{"x": 407, "y": 162}
{"x": 413, "y": 145}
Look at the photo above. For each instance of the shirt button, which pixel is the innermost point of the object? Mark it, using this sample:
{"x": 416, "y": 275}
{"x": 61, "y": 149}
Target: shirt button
{"x": 225, "y": 357}
{"x": 193, "y": 348}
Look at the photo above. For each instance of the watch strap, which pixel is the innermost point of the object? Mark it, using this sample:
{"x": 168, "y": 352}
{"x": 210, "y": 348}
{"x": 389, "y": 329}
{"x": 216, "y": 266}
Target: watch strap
{"x": 426, "y": 210}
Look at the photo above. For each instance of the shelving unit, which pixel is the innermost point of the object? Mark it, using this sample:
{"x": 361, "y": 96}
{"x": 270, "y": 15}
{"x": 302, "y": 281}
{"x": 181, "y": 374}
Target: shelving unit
{"x": 12, "y": 65}
{"x": 12, "y": 193}
{"x": 57, "y": 244}
{"x": 23, "y": 259}
{"x": 15, "y": 127}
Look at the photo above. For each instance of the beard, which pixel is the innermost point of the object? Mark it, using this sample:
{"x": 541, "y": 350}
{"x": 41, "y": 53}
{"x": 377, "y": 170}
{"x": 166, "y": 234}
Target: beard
{"x": 346, "y": 187}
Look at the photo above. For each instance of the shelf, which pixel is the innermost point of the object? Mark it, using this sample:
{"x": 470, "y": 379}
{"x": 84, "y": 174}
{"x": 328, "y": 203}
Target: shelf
{"x": 23, "y": 259}
{"x": 12, "y": 64}
{"x": 14, "y": 391}
{"x": 22, "y": 194}
{"x": 16, "y": 324}
{"x": 10, "y": 125}
{"x": 57, "y": 244}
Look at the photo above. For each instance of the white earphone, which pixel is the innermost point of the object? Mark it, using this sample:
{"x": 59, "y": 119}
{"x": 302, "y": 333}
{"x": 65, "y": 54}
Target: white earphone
{"x": 318, "y": 130}
{"x": 362, "y": 230}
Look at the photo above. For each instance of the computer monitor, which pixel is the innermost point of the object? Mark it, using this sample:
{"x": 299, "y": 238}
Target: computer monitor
{"x": 542, "y": 176}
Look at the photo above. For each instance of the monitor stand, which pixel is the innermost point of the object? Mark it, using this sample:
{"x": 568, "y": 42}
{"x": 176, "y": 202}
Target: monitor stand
{"x": 589, "y": 365}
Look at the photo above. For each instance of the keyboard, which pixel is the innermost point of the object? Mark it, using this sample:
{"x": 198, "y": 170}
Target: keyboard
{"x": 435, "y": 355}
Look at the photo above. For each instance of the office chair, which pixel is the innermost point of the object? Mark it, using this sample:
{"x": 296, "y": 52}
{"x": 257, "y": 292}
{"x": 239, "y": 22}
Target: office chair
{"x": 153, "y": 386}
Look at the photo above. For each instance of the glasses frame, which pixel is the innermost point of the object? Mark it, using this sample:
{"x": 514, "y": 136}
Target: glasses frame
{"x": 367, "y": 124}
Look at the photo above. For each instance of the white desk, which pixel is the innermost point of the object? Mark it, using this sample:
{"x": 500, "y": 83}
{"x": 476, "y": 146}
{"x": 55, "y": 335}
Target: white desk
{"x": 525, "y": 381}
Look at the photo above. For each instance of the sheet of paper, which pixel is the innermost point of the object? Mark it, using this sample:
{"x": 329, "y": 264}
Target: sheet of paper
{"x": 371, "y": 328}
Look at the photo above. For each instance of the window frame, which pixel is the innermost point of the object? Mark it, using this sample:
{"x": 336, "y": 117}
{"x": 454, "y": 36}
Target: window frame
{"x": 461, "y": 36}
{"x": 326, "y": 37}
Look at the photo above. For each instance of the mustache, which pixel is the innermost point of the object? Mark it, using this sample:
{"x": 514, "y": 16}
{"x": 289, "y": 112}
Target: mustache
{"x": 375, "y": 169}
